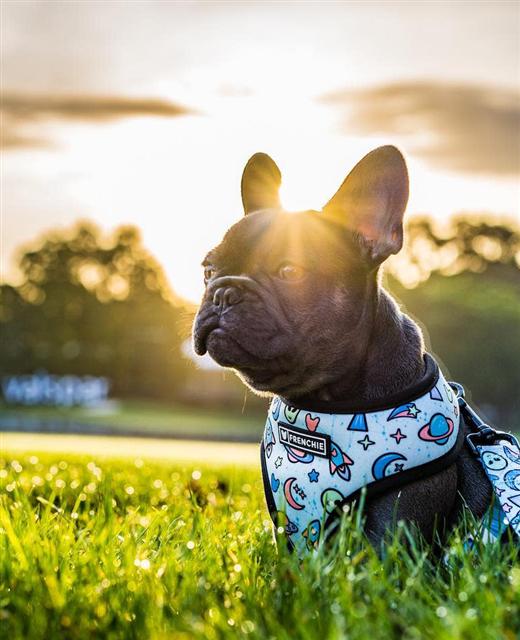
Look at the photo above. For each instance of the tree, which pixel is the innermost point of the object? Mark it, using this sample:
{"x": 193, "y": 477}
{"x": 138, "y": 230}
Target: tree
{"x": 463, "y": 287}
{"x": 94, "y": 305}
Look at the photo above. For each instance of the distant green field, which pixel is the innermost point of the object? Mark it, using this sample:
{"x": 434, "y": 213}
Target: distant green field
{"x": 100, "y": 548}
{"x": 140, "y": 416}
{"x": 129, "y": 448}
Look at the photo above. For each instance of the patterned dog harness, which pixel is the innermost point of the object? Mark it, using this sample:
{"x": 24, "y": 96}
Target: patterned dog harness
{"x": 314, "y": 461}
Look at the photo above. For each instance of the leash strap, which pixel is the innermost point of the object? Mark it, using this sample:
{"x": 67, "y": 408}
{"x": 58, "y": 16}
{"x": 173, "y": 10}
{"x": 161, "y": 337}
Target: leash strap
{"x": 499, "y": 454}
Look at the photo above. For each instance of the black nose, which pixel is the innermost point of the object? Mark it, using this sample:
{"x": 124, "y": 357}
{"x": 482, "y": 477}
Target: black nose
{"x": 226, "y": 297}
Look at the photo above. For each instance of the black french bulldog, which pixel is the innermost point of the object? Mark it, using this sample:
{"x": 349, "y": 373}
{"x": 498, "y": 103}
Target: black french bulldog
{"x": 294, "y": 304}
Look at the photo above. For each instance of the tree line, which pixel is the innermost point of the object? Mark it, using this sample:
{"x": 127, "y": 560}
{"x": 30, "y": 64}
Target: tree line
{"x": 91, "y": 304}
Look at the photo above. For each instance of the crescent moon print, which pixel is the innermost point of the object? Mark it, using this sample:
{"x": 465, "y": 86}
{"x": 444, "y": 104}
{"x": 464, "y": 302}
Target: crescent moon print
{"x": 382, "y": 466}
{"x": 512, "y": 455}
{"x": 287, "y": 489}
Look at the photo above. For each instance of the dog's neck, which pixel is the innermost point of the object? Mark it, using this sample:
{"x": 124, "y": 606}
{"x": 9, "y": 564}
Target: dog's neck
{"x": 391, "y": 361}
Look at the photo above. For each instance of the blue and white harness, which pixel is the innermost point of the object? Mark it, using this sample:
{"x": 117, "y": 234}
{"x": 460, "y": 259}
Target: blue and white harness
{"x": 313, "y": 462}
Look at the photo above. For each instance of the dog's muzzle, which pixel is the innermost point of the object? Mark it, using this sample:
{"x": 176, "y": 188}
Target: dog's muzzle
{"x": 221, "y": 294}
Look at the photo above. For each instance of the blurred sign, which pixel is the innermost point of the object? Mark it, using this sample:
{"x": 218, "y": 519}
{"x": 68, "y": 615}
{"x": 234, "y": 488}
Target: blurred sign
{"x": 43, "y": 388}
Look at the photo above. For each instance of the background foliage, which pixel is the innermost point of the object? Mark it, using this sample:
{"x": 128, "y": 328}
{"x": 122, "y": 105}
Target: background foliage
{"x": 94, "y": 305}
{"x": 90, "y": 304}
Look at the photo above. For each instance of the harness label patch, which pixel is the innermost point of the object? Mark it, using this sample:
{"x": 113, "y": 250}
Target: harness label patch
{"x": 317, "y": 444}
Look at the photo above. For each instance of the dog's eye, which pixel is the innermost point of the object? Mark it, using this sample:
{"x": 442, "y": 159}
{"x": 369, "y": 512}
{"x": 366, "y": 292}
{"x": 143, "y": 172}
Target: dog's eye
{"x": 290, "y": 272}
{"x": 209, "y": 272}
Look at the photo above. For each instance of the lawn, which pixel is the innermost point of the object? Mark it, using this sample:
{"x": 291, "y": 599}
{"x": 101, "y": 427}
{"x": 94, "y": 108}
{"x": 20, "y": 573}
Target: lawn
{"x": 138, "y": 417}
{"x": 103, "y": 547}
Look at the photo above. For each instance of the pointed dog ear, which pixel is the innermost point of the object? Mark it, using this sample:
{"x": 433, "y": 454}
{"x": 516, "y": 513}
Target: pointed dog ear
{"x": 372, "y": 200}
{"x": 260, "y": 185}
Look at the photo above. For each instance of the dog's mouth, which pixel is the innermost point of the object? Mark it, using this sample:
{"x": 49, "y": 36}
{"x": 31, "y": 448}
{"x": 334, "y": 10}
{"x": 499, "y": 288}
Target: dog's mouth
{"x": 228, "y": 350}
{"x": 265, "y": 375}
{"x": 201, "y": 335}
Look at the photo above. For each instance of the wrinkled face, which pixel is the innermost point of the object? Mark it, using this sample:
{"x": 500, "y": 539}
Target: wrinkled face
{"x": 289, "y": 296}
{"x": 285, "y": 299}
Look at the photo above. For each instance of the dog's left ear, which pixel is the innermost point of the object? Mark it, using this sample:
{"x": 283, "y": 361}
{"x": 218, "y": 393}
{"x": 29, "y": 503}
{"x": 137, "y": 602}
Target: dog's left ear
{"x": 372, "y": 200}
{"x": 260, "y": 185}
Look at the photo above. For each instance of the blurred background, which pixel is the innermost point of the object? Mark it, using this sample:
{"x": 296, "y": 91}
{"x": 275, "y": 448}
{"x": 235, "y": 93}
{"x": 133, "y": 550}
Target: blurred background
{"x": 125, "y": 128}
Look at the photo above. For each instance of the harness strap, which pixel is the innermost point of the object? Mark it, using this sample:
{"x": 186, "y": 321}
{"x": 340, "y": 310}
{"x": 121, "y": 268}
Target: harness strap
{"x": 499, "y": 454}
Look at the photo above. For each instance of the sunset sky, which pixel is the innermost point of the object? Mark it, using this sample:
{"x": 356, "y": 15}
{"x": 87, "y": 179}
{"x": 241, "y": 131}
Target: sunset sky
{"x": 146, "y": 112}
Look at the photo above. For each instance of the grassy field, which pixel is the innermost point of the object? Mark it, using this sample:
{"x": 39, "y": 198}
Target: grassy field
{"x": 99, "y": 547}
{"x": 98, "y": 447}
{"x": 132, "y": 416}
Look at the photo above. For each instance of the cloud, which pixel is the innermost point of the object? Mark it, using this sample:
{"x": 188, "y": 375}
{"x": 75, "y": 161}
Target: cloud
{"x": 21, "y": 111}
{"x": 10, "y": 138}
{"x": 466, "y": 128}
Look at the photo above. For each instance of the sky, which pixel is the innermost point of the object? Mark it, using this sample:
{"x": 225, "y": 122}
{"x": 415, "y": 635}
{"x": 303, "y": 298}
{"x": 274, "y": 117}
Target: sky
{"x": 146, "y": 112}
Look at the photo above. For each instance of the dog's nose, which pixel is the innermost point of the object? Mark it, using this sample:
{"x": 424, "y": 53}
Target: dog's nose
{"x": 226, "y": 297}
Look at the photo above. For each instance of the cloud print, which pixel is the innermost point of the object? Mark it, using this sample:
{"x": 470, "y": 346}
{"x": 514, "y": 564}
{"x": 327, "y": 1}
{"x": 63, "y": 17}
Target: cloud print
{"x": 467, "y": 128}
{"x": 20, "y": 111}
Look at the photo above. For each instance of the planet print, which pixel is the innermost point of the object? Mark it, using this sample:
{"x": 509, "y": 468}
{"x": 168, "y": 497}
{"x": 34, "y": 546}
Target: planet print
{"x": 297, "y": 455}
{"x": 281, "y": 520}
{"x": 438, "y": 430}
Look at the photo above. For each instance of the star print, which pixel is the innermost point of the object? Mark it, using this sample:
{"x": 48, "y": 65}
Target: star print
{"x": 278, "y": 462}
{"x": 413, "y": 411}
{"x": 498, "y": 491}
{"x": 507, "y": 508}
{"x": 398, "y": 436}
{"x": 299, "y": 491}
{"x": 398, "y": 467}
{"x": 313, "y": 475}
{"x": 366, "y": 442}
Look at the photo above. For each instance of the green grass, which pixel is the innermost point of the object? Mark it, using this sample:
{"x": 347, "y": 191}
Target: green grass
{"x": 138, "y": 415}
{"x": 132, "y": 549}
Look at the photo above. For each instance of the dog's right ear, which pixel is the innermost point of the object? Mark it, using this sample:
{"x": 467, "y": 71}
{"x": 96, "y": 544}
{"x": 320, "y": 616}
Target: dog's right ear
{"x": 260, "y": 185}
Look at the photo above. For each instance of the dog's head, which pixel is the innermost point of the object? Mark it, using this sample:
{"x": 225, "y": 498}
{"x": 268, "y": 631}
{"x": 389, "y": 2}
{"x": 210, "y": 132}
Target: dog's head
{"x": 289, "y": 296}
